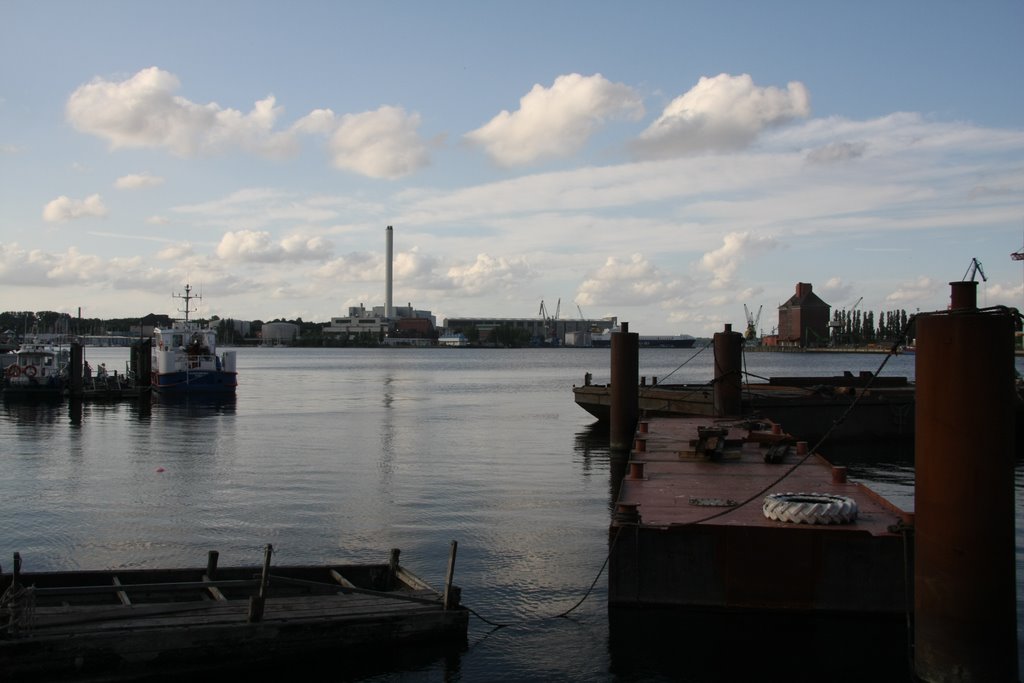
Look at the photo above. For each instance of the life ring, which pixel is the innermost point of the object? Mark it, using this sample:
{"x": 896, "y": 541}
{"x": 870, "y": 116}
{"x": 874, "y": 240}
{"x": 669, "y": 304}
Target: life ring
{"x": 13, "y": 371}
{"x": 30, "y": 371}
{"x": 810, "y": 508}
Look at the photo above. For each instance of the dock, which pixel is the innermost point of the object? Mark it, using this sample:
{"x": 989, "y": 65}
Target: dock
{"x": 127, "y": 623}
{"x": 690, "y": 529}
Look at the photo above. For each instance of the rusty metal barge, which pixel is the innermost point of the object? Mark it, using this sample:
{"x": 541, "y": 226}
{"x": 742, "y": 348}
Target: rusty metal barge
{"x": 806, "y": 406}
{"x": 727, "y": 514}
{"x": 690, "y": 528}
{"x": 134, "y": 622}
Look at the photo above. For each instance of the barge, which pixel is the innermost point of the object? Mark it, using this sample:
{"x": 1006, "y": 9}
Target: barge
{"x": 692, "y": 529}
{"x": 808, "y": 406}
{"x": 133, "y": 622}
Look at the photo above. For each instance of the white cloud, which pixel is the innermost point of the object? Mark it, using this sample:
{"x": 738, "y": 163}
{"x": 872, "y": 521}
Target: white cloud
{"x": 42, "y": 269}
{"x": 380, "y": 144}
{"x": 135, "y": 181}
{"x": 176, "y": 252}
{"x": 721, "y": 114}
{"x": 634, "y": 282}
{"x": 250, "y": 245}
{"x": 489, "y": 274}
{"x": 922, "y": 289}
{"x": 556, "y": 121}
{"x": 64, "y": 208}
{"x": 143, "y": 111}
{"x": 320, "y": 121}
{"x": 736, "y": 247}
{"x": 252, "y": 208}
{"x": 836, "y": 152}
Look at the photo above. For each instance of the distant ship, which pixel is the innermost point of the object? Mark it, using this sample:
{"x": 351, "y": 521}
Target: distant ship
{"x": 679, "y": 341}
{"x": 185, "y": 359}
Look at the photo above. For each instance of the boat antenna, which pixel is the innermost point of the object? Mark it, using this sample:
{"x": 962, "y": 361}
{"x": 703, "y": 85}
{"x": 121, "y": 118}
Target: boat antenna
{"x": 188, "y": 296}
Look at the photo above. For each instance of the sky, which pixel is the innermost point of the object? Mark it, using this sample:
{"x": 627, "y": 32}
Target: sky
{"x": 675, "y": 164}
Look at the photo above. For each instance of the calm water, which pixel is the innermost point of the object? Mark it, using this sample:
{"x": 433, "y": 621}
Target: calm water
{"x": 339, "y": 455}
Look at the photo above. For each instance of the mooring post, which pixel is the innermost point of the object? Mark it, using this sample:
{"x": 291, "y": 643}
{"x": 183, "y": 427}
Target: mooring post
{"x": 449, "y": 596}
{"x": 211, "y": 564}
{"x": 624, "y": 394}
{"x": 256, "y": 602}
{"x": 728, "y": 392}
{"x": 75, "y": 370}
{"x": 965, "y": 620}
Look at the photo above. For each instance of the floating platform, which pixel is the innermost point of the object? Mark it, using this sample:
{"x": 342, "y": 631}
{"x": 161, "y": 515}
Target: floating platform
{"x": 690, "y": 531}
{"x": 124, "y": 623}
{"x": 807, "y": 406}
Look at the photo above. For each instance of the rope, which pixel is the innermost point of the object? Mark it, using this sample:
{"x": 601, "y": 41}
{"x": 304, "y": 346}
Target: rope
{"x": 893, "y": 350}
{"x": 699, "y": 351}
{"x": 20, "y": 604}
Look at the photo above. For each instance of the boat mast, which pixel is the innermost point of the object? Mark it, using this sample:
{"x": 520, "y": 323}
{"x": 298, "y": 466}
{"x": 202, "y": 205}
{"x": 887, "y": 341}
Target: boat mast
{"x": 187, "y": 296}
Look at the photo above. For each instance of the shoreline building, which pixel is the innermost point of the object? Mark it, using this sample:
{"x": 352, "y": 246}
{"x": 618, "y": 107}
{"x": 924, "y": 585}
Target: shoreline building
{"x": 804, "y": 319}
{"x": 388, "y": 324}
{"x": 541, "y": 331}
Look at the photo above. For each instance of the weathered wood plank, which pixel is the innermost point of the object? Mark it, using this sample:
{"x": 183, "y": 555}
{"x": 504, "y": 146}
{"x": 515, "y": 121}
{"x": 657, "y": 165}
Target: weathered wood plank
{"x": 121, "y": 595}
{"x": 214, "y": 590}
{"x": 336, "y": 575}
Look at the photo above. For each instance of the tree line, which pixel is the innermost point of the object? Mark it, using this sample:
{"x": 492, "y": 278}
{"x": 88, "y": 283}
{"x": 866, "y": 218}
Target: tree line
{"x": 853, "y": 328}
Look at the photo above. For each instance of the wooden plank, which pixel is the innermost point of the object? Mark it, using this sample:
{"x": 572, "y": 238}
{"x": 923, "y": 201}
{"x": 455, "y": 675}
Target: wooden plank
{"x": 121, "y": 595}
{"x": 411, "y": 580}
{"x": 214, "y": 591}
{"x": 183, "y": 585}
{"x": 336, "y": 575}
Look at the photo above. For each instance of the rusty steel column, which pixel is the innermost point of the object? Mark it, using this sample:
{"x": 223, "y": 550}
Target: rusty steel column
{"x": 728, "y": 372}
{"x": 625, "y": 401}
{"x": 75, "y": 370}
{"x": 964, "y": 571}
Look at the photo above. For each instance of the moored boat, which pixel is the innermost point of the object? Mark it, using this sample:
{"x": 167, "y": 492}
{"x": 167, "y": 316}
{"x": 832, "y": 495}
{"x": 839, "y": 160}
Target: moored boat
{"x": 36, "y": 370}
{"x": 124, "y": 623}
{"x": 185, "y": 359}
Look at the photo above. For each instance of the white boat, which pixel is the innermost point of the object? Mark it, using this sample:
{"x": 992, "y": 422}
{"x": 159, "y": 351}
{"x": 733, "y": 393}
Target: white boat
{"x": 185, "y": 359}
{"x": 36, "y": 369}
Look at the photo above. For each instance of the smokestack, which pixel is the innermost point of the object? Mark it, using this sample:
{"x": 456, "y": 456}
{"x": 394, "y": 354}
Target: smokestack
{"x": 388, "y": 259}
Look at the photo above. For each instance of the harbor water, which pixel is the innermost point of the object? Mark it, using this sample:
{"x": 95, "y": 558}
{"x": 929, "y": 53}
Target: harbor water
{"x": 338, "y": 455}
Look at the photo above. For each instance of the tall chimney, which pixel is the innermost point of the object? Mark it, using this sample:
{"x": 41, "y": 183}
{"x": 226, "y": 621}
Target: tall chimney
{"x": 388, "y": 259}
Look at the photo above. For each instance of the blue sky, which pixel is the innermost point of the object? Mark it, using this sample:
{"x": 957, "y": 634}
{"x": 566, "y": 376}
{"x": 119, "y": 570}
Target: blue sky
{"x": 664, "y": 162}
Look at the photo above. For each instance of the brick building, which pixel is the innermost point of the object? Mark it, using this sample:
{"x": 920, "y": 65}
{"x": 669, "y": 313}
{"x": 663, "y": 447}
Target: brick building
{"x": 803, "y": 319}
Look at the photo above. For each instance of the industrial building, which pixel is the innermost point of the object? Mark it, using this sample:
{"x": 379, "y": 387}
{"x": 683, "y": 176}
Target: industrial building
{"x": 803, "y": 319}
{"x": 544, "y": 331}
{"x": 279, "y": 334}
{"x": 390, "y": 325}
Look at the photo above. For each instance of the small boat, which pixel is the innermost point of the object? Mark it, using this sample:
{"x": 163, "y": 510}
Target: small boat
{"x": 36, "y": 370}
{"x": 121, "y": 623}
{"x": 185, "y": 359}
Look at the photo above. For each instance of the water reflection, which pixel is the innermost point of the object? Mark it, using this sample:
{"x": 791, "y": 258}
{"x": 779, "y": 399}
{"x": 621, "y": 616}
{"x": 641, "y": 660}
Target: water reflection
{"x": 196, "y": 406}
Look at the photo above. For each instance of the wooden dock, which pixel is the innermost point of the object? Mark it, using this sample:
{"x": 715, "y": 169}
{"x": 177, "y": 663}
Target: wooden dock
{"x": 124, "y": 623}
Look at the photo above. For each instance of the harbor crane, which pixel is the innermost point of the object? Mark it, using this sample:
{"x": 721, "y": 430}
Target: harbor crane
{"x": 975, "y": 269}
{"x": 752, "y": 322}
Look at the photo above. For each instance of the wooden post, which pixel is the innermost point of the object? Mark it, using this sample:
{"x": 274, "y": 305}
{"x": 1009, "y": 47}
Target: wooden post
{"x": 211, "y": 564}
{"x": 393, "y": 566}
{"x": 448, "y": 596}
{"x": 256, "y": 602}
